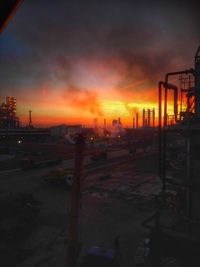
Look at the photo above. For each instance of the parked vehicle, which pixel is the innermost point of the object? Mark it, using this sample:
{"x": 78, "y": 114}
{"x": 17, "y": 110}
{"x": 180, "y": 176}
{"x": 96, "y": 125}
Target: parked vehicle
{"x": 101, "y": 257}
{"x": 60, "y": 177}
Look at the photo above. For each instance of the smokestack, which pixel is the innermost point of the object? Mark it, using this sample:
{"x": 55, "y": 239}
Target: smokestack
{"x": 119, "y": 120}
{"x": 149, "y": 118}
{"x": 136, "y": 123}
{"x": 30, "y": 118}
{"x": 143, "y": 118}
{"x": 153, "y": 120}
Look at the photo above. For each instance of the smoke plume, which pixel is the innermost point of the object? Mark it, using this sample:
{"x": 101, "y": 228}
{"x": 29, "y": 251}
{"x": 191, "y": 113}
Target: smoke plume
{"x": 83, "y": 100}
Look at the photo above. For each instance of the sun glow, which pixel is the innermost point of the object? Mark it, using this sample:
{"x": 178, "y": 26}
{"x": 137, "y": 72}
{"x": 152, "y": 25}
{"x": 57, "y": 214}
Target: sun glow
{"x": 96, "y": 91}
{"x": 50, "y": 113}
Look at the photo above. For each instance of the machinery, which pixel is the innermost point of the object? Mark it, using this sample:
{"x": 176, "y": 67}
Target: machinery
{"x": 60, "y": 177}
{"x": 175, "y": 224}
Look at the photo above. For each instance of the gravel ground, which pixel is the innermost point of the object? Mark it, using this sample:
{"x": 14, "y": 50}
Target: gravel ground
{"x": 114, "y": 203}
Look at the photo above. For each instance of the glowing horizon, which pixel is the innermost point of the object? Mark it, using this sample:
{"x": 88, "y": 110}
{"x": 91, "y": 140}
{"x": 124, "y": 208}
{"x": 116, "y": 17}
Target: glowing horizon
{"x": 112, "y": 110}
{"x": 50, "y": 114}
{"x": 75, "y": 105}
{"x": 52, "y": 109}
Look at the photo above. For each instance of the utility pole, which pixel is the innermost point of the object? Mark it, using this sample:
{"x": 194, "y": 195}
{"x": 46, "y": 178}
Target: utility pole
{"x": 73, "y": 238}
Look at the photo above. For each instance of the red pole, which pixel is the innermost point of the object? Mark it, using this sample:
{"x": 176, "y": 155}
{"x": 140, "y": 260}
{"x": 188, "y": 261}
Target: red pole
{"x": 73, "y": 244}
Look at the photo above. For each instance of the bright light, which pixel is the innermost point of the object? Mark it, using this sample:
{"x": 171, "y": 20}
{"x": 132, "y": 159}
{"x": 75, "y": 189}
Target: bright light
{"x": 19, "y": 141}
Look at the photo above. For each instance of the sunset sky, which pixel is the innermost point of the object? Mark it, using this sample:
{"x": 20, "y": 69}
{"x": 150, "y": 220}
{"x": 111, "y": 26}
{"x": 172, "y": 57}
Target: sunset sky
{"x": 73, "y": 61}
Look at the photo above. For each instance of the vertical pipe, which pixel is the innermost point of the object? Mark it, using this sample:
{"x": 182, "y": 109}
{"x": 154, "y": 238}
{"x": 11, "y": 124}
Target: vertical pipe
{"x": 148, "y": 118}
{"x": 160, "y": 135}
{"x": 181, "y": 100}
{"x": 165, "y": 107}
{"x": 164, "y": 141}
{"x": 73, "y": 244}
{"x": 143, "y": 118}
{"x": 175, "y": 103}
{"x": 136, "y": 120}
{"x": 153, "y": 117}
{"x": 188, "y": 109}
{"x": 30, "y": 118}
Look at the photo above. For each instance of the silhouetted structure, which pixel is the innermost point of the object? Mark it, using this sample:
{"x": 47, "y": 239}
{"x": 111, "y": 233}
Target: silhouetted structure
{"x": 8, "y": 118}
{"x": 30, "y": 119}
{"x": 176, "y": 221}
{"x": 136, "y": 120}
{"x": 148, "y": 118}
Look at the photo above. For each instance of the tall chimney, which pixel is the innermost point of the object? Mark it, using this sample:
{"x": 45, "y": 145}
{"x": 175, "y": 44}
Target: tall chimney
{"x": 136, "y": 120}
{"x": 153, "y": 119}
{"x": 143, "y": 118}
{"x": 30, "y": 118}
{"x": 149, "y": 118}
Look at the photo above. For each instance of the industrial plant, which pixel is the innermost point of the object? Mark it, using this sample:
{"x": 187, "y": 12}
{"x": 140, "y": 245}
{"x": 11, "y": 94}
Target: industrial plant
{"x": 8, "y": 117}
{"x": 105, "y": 195}
{"x": 165, "y": 190}
{"x": 176, "y": 219}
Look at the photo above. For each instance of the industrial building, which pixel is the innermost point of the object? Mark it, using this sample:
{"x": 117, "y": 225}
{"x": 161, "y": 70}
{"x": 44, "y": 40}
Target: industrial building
{"x": 8, "y": 117}
{"x": 176, "y": 220}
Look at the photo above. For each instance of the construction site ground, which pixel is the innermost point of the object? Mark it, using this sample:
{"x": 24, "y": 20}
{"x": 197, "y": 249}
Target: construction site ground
{"x": 115, "y": 200}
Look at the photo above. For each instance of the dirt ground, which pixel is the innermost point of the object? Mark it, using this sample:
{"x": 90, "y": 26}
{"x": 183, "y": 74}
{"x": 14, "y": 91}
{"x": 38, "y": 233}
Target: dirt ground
{"x": 115, "y": 201}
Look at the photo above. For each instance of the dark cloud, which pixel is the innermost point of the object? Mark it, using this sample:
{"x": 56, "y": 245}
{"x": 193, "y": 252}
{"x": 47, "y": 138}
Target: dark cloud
{"x": 149, "y": 39}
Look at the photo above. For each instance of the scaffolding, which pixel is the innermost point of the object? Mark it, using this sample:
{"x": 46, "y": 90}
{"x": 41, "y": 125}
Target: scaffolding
{"x": 177, "y": 207}
{"x": 8, "y": 118}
